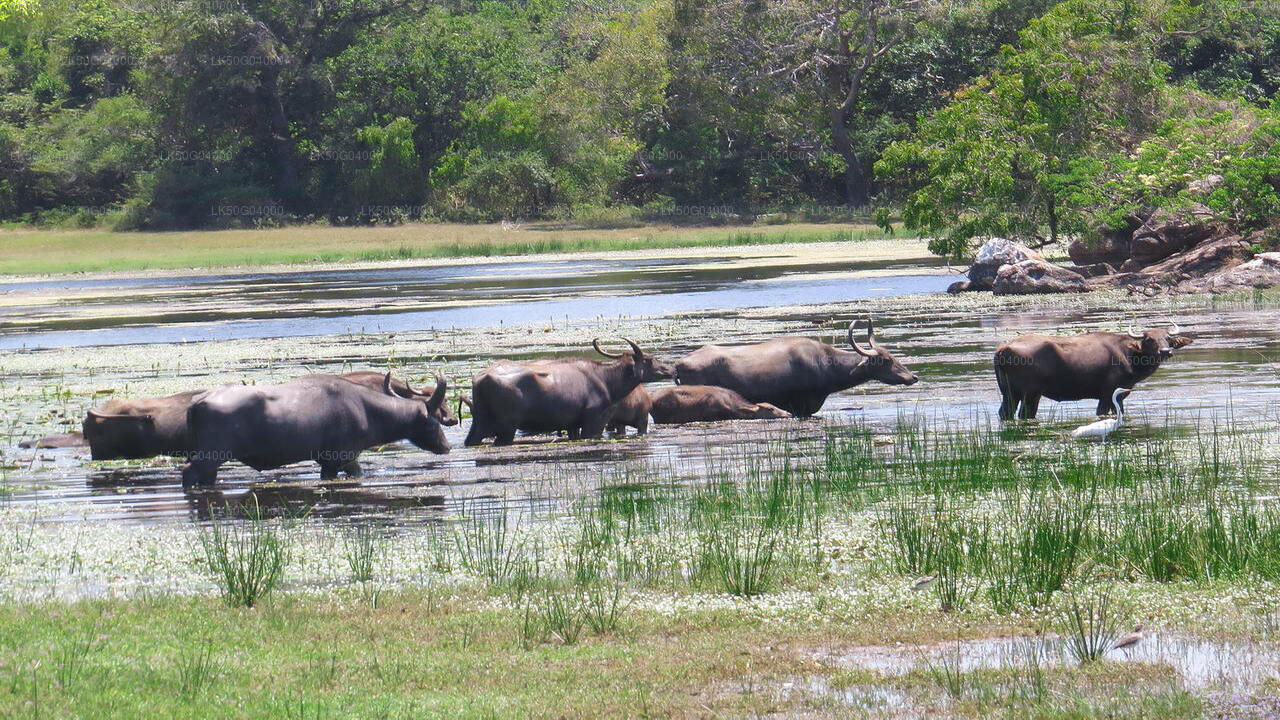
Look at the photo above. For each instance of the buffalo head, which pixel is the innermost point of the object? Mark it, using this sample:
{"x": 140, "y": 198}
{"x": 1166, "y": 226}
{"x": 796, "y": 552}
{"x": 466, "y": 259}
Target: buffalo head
{"x": 880, "y": 363}
{"x": 1160, "y": 343}
{"x": 426, "y": 432}
{"x": 644, "y": 368}
{"x": 435, "y": 400}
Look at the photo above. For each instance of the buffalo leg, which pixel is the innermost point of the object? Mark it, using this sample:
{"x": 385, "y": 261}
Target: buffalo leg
{"x": 575, "y": 433}
{"x": 200, "y": 472}
{"x": 593, "y": 424}
{"x": 504, "y": 436}
{"x": 642, "y": 426}
{"x": 481, "y": 424}
{"x": 353, "y": 469}
{"x": 1105, "y": 407}
{"x": 1030, "y": 406}
{"x": 477, "y": 434}
{"x": 1008, "y": 401}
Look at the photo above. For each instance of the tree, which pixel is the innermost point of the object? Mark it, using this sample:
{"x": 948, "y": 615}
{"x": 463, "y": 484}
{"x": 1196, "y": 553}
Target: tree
{"x": 1012, "y": 153}
{"x": 825, "y": 49}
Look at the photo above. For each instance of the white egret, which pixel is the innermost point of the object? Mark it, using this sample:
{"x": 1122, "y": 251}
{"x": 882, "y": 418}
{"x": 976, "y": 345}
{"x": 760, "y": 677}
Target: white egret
{"x": 1102, "y": 428}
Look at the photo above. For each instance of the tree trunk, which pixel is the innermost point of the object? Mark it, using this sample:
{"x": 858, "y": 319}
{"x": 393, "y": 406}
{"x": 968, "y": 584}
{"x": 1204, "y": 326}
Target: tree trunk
{"x": 855, "y": 180}
{"x": 283, "y": 150}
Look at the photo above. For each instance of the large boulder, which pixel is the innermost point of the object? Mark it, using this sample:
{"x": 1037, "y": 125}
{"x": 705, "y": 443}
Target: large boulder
{"x": 1166, "y": 233}
{"x": 1037, "y": 277}
{"x": 991, "y": 256}
{"x": 1207, "y": 258}
{"x": 1109, "y": 246}
{"x": 1263, "y": 271}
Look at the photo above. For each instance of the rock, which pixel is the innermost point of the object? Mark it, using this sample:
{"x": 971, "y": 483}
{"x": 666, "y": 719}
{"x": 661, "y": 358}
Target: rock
{"x": 1108, "y": 245}
{"x": 1095, "y": 270}
{"x": 1207, "y": 258}
{"x": 1166, "y": 233}
{"x": 1035, "y": 277}
{"x": 991, "y": 256}
{"x": 1263, "y": 271}
{"x": 1205, "y": 185}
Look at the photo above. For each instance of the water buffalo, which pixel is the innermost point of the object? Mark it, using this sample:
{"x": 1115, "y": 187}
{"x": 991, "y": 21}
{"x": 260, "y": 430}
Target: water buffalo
{"x": 146, "y": 427}
{"x": 704, "y": 403}
{"x": 546, "y": 396}
{"x": 328, "y": 420}
{"x": 632, "y": 410}
{"x": 139, "y": 428}
{"x": 793, "y": 373}
{"x": 1081, "y": 367}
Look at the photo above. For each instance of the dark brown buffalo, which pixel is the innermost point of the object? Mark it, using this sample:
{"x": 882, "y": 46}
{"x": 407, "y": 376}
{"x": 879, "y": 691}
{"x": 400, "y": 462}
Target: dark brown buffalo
{"x": 633, "y": 411}
{"x": 139, "y": 428}
{"x": 1080, "y": 367}
{"x": 706, "y": 403}
{"x": 326, "y": 420}
{"x": 793, "y": 373}
{"x": 146, "y": 427}
{"x": 546, "y": 396}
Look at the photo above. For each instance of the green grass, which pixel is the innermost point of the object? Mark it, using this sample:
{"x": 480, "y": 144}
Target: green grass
{"x": 684, "y": 597}
{"x": 24, "y": 252}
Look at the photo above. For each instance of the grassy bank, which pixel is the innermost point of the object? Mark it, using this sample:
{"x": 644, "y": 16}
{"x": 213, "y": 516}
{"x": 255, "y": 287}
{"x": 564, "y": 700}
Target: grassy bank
{"x": 38, "y": 251}
{"x": 754, "y": 592}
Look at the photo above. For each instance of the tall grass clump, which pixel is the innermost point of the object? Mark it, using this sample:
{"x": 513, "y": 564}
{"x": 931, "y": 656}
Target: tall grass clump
{"x": 1091, "y": 626}
{"x": 362, "y": 547}
{"x": 494, "y": 551}
{"x": 745, "y": 529}
{"x": 247, "y": 558}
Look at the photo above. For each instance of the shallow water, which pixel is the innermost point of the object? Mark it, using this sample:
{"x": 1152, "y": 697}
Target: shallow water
{"x": 118, "y": 311}
{"x": 1198, "y": 662}
{"x": 1230, "y": 375}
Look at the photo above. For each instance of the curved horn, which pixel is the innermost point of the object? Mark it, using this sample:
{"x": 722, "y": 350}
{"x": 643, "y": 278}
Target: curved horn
{"x": 596, "y": 344}
{"x": 1174, "y": 329}
{"x": 437, "y": 397}
{"x": 870, "y": 339}
{"x": 386, "y": 385}
{"x": 1132, "y": 334}
{"x": 639, "y": 354}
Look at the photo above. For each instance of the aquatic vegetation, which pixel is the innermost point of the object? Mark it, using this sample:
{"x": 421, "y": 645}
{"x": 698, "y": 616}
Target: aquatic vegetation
{"x": 362, "y": 548}
{"x": 1091, "y": 625}
{"x": 247, "y": 558}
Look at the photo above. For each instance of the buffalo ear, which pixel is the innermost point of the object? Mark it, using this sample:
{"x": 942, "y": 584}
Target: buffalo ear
{"x": 1179, "y": 341}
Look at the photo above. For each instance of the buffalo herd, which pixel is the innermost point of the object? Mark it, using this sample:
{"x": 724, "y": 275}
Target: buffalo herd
{"x": 331, "y": 419}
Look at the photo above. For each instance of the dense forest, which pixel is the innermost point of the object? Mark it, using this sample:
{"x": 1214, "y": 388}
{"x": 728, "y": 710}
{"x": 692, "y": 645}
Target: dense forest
{"x": 1026, "y": 118}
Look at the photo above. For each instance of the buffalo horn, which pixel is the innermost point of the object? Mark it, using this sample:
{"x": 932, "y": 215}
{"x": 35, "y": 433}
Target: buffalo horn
{"x": 437, "y": 397}
{"x": 596, "y": 344}
{"x": 871, "y": 340}
{"x": 639, "y": 354}
{"x": 1132, "y": 334}
{"x": 1174, "y": 329}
